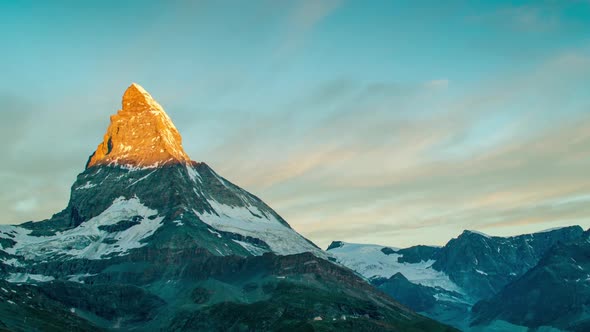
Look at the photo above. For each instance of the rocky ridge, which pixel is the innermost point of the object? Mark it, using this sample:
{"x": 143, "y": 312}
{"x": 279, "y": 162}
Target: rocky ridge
{"x": 445, "y": 283}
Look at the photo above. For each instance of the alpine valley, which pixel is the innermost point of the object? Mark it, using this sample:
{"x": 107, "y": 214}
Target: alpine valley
{"x": 153, "y": 241}
{"x": 476, "y": 282}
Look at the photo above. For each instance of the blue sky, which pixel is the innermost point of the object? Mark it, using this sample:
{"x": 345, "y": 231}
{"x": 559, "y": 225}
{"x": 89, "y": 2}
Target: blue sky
{"x": 392, "y": 122}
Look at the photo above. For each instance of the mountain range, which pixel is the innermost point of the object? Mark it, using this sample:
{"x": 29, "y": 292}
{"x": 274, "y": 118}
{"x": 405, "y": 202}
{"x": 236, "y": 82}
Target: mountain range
{"x": 478, "y": 282}
{"x": 151, "y": 240}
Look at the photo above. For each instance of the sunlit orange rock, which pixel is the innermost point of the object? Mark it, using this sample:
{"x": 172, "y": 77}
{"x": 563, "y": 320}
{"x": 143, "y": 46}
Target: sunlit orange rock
{"x": 140, "y": 135}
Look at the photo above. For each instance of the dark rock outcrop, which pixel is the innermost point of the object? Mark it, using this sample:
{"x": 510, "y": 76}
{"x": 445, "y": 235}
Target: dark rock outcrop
{"x": 482, "y": 264}
{"x": 556, "y": 292}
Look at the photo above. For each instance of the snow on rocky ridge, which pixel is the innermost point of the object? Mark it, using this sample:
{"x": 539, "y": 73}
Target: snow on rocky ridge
{"x": 97, "y": 238}
{"x": 370, "y": 261}
{"x": 250, "y": 221}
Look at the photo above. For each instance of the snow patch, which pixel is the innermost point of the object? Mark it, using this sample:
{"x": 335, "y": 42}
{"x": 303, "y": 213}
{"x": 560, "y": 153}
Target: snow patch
{"x": 12, "y": 262}
{"x": 213, "y": 232}
{"x": 369, "y": 261}
{"x": 551, "y": 229}
{"x": 479, "y": 233}
{"x": 445, "y": 297}
{"x": 87, "y": 185}
{"x": 78, "y": 277}
{"x": 87, "y": 240}
{"x": 281, "y": 239}
{"x": 142, "y": 178}
{"x": 481, "y": 272}
{"x": 193, "y": 174}
{"x": 25, "y": 277}
{"x": 254, "y": 250}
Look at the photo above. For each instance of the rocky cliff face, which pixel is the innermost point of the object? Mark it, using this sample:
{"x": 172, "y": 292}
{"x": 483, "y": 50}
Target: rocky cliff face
{"x": 153, "y": 241}
{"x": 444, "y": 283}
{"x": 555, "y": 292}
{"x": 140, "y": 135}
{"x": 483, "y": 264}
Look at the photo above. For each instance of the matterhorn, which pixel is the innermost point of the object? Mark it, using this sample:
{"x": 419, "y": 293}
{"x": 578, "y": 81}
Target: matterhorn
{"x": 154, "y": 241}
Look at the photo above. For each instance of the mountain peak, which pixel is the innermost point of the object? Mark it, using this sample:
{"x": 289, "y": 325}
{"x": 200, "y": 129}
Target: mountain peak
{"x": 470, "y": 231}
{"x": 136, "y": 98}
{"x": 140, "y": 135}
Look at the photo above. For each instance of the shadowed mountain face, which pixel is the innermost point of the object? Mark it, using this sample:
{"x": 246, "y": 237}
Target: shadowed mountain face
{"x": 444, "y": 283}
{"x": 556, "y": 292}
{"x": 153, "y": 241}
{"x": 483, "y": 264}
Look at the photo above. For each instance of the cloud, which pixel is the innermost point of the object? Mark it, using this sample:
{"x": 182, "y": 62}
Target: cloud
{"x": 17, "y": 112}
{"x": 26, "y": 205}
{"x": 301, "y": 22}
{"x": 400, "y": 163}
{"x": 40, "y": 156}
{"x": 437, "y": 84}
{"x": 527, "y": 18}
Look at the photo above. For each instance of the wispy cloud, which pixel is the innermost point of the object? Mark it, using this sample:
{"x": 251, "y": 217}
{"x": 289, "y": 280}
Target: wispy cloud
{"x": 539, "y": 17}
{"x": 438, "y": 84}
{"x": 301, "y": 22}
{"x": 380, "y": 162}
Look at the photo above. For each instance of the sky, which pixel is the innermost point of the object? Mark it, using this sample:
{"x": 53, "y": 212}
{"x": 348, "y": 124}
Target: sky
{"x": 389, "y": 122}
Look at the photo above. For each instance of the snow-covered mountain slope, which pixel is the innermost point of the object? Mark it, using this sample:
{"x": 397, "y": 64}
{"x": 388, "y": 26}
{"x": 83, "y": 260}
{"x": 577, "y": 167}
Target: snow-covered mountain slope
{"x": 251, "y": 222}
{"x": 375, "y": 261}
{"x": 115, "y": 231}
{"x": 444, "y": 283}
{"x": 113, "y": 210}
{"x": 407, "y": 275}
